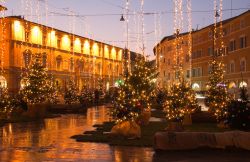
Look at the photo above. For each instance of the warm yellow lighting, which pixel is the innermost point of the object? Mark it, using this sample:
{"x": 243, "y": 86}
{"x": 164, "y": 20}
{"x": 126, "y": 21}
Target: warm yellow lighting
{"x": 119, "y": 57}
{"x": 106, "y": 51}
{"x": 113, "y": 53}
{"x": 18, "y": 31}
{"x": 95, "y": 50}
{"x": 65, "y": 43}
{"x": 36, "y": 35}
{"x": 52, "y": 39}
{"x": 77, "y": 45}
{"x": 3, "y": 82}
{"x": 86, "y": 49}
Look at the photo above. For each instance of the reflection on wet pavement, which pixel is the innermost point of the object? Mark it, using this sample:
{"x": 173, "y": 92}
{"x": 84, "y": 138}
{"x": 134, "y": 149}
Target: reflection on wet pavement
{"x": 49, "y": 140}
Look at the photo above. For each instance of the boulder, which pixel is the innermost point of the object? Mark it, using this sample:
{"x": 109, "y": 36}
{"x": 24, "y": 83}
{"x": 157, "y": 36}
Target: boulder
{"x": 127, "y": 129}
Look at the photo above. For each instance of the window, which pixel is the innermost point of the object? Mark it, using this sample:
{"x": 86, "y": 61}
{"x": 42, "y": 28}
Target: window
{"x": 71, "y": 64}
{"x": 168, "y": 61}
{"x": 193, "y": 72}
{"x": 117, "y": 69}
{"x": 168, "y": 76}
{"x": 231, "y": 67}
{"x": 210, "y": 34}
{"x": 58, "y": 62}
{"x": 187, "y": 58}
{"x": 164, "y": 60}
{"x": 58, "y": 43}
{"x": 242, "y": 65}
{"x": 80, "y": 65}
{"x": 164, "y": 73}
{"x": 242, "y": 23}
{"x": 210, "y": 51}
{"x": 225, "y": 32}
{"x": 243, "y": 42}
{"x": 193, "y": 55}
{"x": 197, "y": 72}
{"x": 199, "y": 53}
{"x": 188, "y": 74}
{"x": 232, "y": 46}
{"x": 27, "y": 57}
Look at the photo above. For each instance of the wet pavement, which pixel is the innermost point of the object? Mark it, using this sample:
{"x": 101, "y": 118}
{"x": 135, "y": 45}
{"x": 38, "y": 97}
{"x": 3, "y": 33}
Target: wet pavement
{"x": 49, "y": 140}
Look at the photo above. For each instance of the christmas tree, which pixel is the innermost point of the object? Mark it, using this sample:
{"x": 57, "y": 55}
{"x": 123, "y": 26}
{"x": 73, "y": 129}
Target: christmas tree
{"x": 71, "y": 93}
{"x": 180, "y": 101}
{"x": 38, "y": 87}
{"x": 86, "y": 96}
{"x": 134, "y": 95}
{"x": 6, "y": 106}
{"x": 217, "y": 95}
{"x": 54, "y": 95}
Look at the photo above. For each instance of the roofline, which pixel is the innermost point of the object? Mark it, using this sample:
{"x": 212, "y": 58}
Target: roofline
{"x": 49, "y": 27}
{"x": 223, "y": 22}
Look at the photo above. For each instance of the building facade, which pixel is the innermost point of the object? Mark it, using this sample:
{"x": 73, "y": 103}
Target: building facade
{"x": 235, "y": 53}
{"x": 173, "y": 56}
{"x": 67, "y": 56}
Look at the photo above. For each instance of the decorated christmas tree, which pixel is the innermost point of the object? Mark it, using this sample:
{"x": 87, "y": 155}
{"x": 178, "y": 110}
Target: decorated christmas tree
{"x": 180, "y": 101}
{"x": 5, "y": 103}
{"x": 38, "y": 84}
{"x": 86, "y": 96}
{"x": 71, "y": 93}
{"x": 54, "y": 95}
{"x": 217, "y": 95}
{"x": 134, "y": 95}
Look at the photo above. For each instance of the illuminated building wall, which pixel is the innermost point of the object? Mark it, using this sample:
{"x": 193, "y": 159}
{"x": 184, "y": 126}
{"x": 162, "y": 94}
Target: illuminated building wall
{"x": 167, "y": 59}
{"x": 236, "y": 36}
{"x": 67, "y": 56}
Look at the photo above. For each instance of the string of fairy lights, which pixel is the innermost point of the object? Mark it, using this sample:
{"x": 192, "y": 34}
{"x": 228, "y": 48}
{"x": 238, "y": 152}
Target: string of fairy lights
{"x": 189, "y": 9}
{"x": 3, "y": 34}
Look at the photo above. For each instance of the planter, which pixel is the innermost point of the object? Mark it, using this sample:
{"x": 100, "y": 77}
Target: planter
{"x": 36, "y": 111}
{"x": 175, "y": 126}
{"x": 144, "y": 117}
{"x": 187, "y": 119}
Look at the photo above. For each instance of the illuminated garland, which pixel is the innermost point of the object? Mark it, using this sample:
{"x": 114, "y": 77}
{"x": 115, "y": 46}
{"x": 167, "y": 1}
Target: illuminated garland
{"x": 217, "y": 95}
{"x": 189, "y": 37}
{"x": 134, "y": 95}
{"x": 38, "y": 88}
{"x": 180, "y": 101}
{"x": 6, "y": 106}
{"x": 71, "y": 93}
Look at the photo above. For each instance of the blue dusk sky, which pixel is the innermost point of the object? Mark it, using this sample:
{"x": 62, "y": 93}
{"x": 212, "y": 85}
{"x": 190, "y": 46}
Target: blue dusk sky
{"x": 100, "y": 19}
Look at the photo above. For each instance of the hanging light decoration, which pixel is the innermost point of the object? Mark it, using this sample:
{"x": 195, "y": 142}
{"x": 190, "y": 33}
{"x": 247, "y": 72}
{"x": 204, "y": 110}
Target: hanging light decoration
{"x": 189, "y": 10}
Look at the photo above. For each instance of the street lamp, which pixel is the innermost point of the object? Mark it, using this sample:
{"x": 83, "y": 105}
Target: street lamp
{"x": 122, "y": 18}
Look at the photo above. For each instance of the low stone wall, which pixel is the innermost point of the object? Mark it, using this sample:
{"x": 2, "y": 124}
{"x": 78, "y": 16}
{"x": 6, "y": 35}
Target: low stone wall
{"x": 195, "y": 140}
